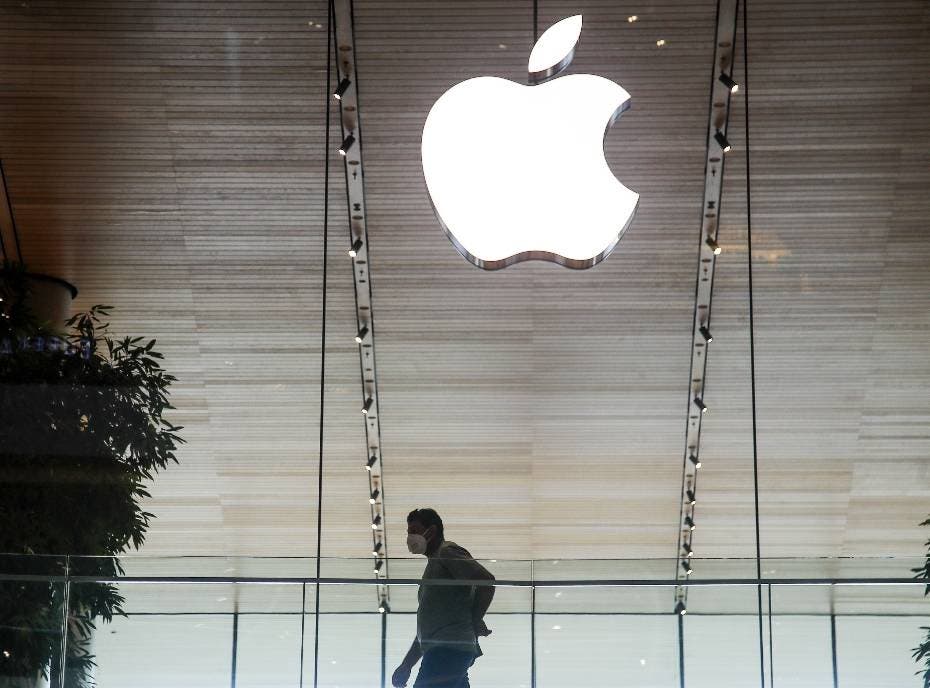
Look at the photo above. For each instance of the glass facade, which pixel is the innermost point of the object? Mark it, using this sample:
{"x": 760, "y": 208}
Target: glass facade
{"x": 293, "y": 353}
{"x": 221, "y": 621}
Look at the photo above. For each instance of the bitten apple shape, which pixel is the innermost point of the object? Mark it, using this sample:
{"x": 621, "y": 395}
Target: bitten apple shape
{"x": 518, "y": 172}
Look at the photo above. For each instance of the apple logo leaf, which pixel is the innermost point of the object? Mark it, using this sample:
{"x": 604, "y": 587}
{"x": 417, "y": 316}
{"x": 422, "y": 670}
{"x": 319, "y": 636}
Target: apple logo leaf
{"x": 555, "y": 49}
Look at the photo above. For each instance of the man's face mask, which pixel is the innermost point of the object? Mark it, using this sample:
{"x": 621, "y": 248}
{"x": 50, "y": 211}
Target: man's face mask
{"x": 417, "y": 543}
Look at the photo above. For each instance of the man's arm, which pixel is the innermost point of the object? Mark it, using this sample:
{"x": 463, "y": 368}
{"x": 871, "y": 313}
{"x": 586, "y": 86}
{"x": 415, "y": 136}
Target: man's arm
{"x": 483, "y": 596}
{"x": 413, "y": 655}
{"x": 463, "y": 567}
{"x": 402, "y": 674}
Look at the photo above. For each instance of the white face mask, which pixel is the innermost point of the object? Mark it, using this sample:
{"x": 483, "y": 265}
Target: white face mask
{"x": 416, "y": 543}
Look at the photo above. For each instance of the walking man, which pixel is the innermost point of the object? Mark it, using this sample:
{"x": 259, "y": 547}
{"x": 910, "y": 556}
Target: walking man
{"x": 450, "y": 618}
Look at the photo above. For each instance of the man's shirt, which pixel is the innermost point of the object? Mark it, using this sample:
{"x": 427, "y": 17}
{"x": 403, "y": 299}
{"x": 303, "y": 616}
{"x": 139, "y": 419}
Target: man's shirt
{"x": 444, "y": 615}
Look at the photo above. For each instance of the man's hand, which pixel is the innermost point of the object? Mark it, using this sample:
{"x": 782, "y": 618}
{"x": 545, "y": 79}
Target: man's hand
{"x": 401, "y": 676}
{"x": 481, "y": 629}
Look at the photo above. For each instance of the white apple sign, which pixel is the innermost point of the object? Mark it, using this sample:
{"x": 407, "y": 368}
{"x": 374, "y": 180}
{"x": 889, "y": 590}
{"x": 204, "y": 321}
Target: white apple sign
{"x": 518, "y": 172}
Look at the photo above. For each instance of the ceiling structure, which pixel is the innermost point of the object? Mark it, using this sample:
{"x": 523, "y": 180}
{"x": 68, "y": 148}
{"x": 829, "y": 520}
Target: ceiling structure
{"x": 168, "y": 158}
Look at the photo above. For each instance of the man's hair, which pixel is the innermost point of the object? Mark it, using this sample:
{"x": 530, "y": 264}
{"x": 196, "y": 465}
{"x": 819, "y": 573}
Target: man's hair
{"x": 426, "y": 518}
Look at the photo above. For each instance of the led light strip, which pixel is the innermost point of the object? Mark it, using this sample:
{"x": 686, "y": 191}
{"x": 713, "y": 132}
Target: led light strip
{"x": 351, "y": 152}
{"x": 722, "y": 87}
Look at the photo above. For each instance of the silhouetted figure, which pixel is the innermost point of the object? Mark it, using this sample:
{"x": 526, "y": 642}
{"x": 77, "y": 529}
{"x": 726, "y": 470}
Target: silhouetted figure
{"x": 450, "y": 618}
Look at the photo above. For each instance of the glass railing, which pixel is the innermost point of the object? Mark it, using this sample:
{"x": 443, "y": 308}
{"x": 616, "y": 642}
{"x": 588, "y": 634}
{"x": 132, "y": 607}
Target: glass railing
{"x": 239, "y": 621}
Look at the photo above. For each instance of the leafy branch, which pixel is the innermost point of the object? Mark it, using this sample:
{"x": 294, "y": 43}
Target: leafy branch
{"x": 921, "y": 653}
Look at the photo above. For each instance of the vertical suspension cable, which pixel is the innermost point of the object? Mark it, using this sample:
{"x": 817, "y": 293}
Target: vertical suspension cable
{"x": 303, "y": 620}
{"x": 681, "y": 650}
{"x": 532, "y": 572}
{"x": 535, "y": 21}
{"x": 532, "y": 568}
{"x": 771, "y": 643}
{"x": 384, "y": 622}
{"x": 235, "y": 648}
{"x": 319, "y": 507}
{"x": 752, "y": 344}
{"x": 532, "y": 626}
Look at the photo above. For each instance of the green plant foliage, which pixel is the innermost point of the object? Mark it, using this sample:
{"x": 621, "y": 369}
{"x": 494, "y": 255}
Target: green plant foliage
{"x": 82, "y": 432}
{"x": 922, "y": 651}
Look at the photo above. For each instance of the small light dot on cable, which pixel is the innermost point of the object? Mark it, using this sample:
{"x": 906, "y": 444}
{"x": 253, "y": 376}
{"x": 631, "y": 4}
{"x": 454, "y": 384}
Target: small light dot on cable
{"x": 632, "y": 18}
{"x": 660, "y": 42}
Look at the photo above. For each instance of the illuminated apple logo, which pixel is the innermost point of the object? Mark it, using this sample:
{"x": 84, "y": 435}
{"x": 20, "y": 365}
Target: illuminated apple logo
{"x": 518, "y": 172}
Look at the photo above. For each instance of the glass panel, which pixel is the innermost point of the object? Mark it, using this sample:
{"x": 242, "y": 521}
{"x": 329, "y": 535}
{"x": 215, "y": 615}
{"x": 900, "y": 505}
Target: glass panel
{"x": 721, "y": 636}
{"x": 350, "y": 636}
{"x": 606, "y": 636}
{"x": 401, "y": 629}
{"x": 30, "y": 629}
{"x": 876, "y": 627}
{"x": 350, "y": 643}
{"x": 172, "y": 634}
{"x": 801, "y": 647}
{"x": 268, "y": 634}
{"x": 507, "y": 658}
{"x": 875, "y": 651}
{"x": 801, "y": 651}
{"x": 155, "y": 650}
